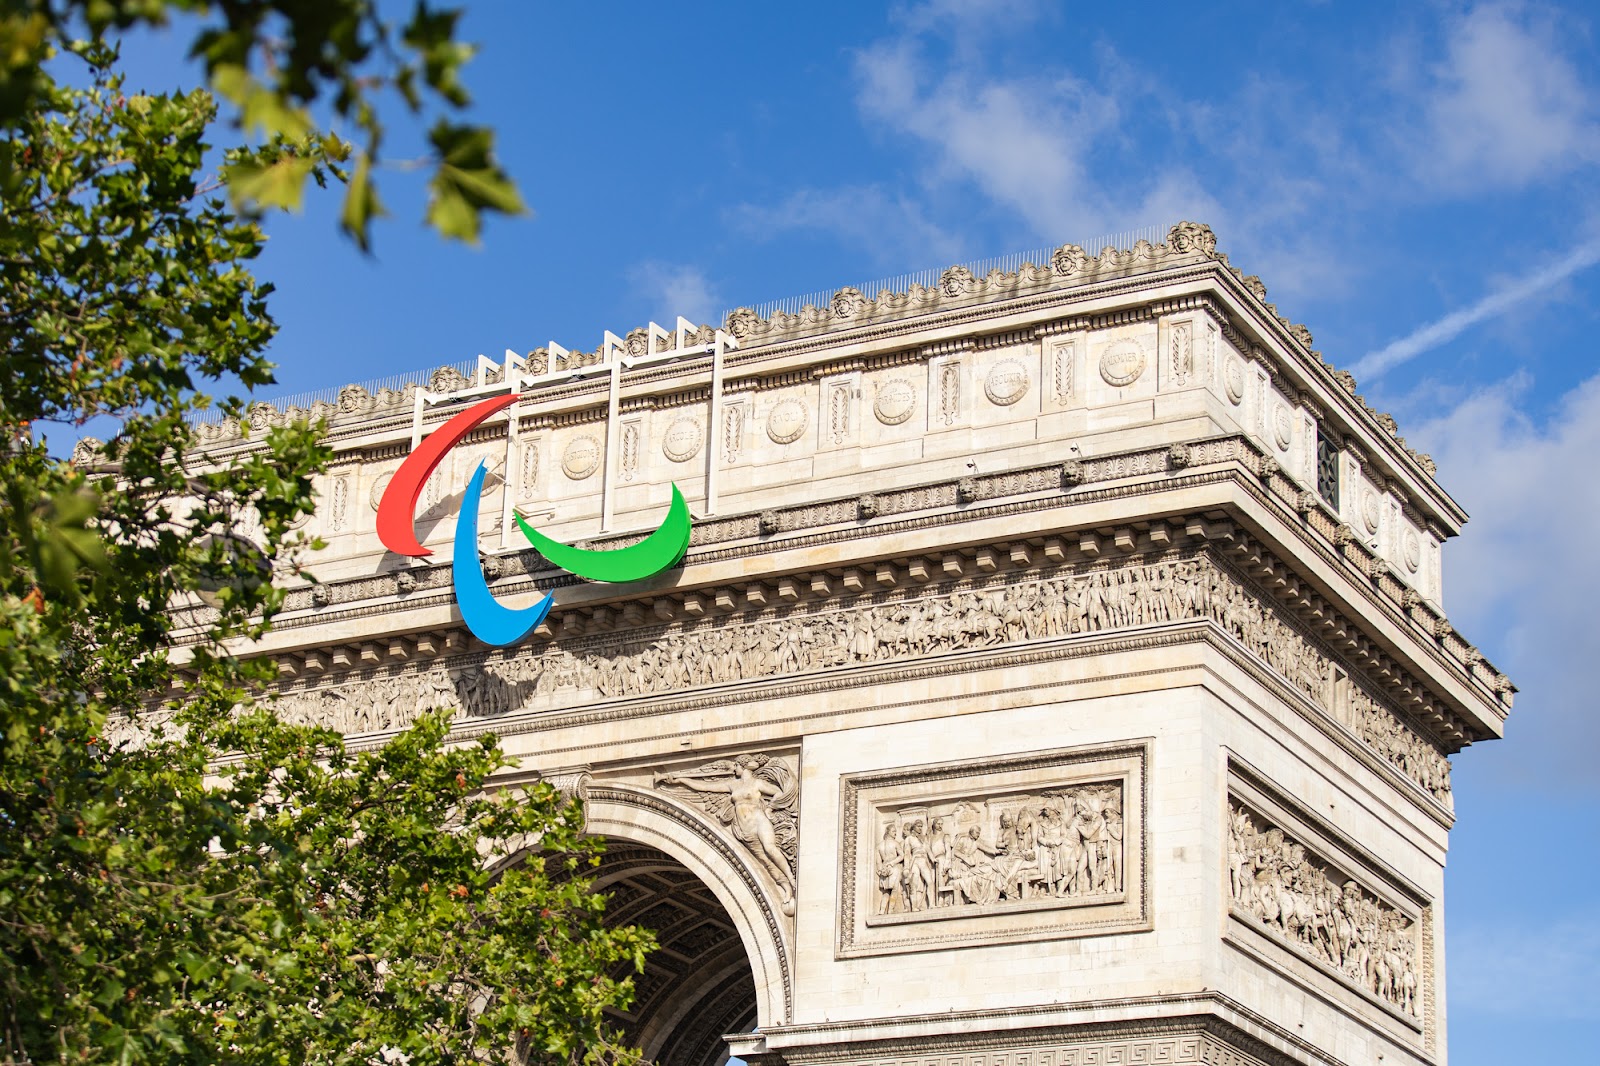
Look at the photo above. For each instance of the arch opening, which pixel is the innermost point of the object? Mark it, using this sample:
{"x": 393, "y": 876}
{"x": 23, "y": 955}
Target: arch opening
{"x": 699, "y": 983}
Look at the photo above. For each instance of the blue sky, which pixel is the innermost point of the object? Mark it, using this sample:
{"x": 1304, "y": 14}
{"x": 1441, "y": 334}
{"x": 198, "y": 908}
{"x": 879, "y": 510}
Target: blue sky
{"x": 1418, "y": 187}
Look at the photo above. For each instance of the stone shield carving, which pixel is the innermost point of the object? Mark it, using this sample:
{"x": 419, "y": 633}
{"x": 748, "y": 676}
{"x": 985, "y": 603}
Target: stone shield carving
{"x": 1371, "y": 513}
{"x": 895, "y": 403}
{"x": 681, "y": 442}
{"x": 1233, "y": 379}
{"x": 1413, "y": 551}
{"x": 1024, "y": 847}
{"x": 581, "y": 457}
{"x": 1282, "y": 427}
{"x": 1006, "y": 383}
{"x": 786, "y": 421}
{"x": 1122, "y": 363}
{"x": 379, "y": 485}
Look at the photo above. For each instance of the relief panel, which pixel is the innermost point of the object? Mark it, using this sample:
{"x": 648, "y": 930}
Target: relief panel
{"x": 1038, "y": 846}
{"x": 1288, "y": 882}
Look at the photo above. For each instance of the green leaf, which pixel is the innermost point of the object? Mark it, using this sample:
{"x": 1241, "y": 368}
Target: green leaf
{"x": 361, "y": 203}
{"x": 278, "y": 184}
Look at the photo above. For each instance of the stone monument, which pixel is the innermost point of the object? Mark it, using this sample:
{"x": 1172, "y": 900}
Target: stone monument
{"x": 1057, "y": 673}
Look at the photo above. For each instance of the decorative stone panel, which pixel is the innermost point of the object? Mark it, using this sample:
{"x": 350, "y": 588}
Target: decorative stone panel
{"x": 1342, "y": 917}
{"x": 1045, "y": 845}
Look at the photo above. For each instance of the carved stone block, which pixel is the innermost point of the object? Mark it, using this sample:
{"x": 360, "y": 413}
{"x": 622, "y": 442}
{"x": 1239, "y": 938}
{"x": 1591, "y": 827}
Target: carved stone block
{"x": 1291, "y": 882}
{"x": 1044, "y": 845}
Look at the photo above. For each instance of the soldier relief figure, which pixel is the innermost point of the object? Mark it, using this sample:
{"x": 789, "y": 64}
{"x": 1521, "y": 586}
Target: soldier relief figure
{"x": 959, "y": 619}
{"x": 1308, "y": 905}
{"x": 1064, "y": 845}
{"x": 755, "y": 795}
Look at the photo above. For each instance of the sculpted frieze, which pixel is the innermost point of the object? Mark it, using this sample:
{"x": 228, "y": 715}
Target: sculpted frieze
{"x": 993, "y": 849}
{"x": 980, "y": 851}
{"x": 1281, "y": 887}
{"x": 936, "y": 619}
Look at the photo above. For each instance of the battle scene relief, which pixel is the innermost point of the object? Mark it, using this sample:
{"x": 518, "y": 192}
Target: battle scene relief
{"x": 1302, "y": 901}
{"x": 936, "y": 619}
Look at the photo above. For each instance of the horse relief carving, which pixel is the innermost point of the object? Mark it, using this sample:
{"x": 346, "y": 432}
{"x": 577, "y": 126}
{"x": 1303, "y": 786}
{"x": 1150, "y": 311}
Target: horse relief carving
{"x": 642, "y": 663}
{"x": 1304, "y": 902}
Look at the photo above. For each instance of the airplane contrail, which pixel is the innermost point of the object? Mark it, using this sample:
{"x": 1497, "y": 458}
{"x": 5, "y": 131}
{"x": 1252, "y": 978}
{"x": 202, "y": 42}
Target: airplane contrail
{"x": 1436, "y": 333}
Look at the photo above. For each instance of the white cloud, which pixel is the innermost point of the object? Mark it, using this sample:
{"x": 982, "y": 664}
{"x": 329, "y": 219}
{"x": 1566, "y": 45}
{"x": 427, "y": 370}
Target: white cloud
{"x": 1498, "y": 302}
{"x": 1528, "y": 973}
{"x": 1505, "y": 108}
{"x": 672, "y": 289}
{"x": 1027, "y": 143}
{"x": 1523, "y": 581}
{"x": 889, "y": 226}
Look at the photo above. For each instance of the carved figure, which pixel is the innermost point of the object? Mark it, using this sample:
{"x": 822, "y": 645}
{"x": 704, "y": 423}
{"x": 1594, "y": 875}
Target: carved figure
{"x": 933, "y": 623}
{"x": 1301, "y": 901}
{"x": 919, "y": 870}
{"x": 757, "y": 796}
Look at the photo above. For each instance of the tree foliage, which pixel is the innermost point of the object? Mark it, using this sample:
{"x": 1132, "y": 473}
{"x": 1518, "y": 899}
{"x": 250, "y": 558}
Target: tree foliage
{"x": 280, "y": 63}
{"x": 203, "y": 883}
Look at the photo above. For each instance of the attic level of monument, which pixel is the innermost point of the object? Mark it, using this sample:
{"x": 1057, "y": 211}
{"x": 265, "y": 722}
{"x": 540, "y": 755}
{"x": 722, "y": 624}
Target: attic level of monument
{"x": 1057, "y": 670}
{"x": 1075, "y": 291}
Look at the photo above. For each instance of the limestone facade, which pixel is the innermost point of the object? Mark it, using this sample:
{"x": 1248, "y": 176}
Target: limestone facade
{"x": 1058, "y": 672}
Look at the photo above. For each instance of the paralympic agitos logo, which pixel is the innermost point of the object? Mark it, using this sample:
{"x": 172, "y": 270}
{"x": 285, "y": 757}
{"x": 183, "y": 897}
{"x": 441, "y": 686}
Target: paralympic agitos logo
{"x": 489, "y": 620}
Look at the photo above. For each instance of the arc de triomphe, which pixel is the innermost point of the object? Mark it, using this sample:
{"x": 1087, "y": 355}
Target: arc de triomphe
{"x": 1076, "y": 629}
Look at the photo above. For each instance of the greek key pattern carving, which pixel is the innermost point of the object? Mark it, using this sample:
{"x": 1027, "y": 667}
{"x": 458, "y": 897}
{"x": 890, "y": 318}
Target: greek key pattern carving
{"x": 1279, "y": 886}
{"x": 942, "y": 618}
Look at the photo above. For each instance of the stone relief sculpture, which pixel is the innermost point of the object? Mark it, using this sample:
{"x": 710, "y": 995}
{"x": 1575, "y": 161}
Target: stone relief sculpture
{"x": 757, "y": 796}
{"x": 1276, "y": 883}
{"x": 1063, "y": 844}
{"x": 642, "y": 663}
